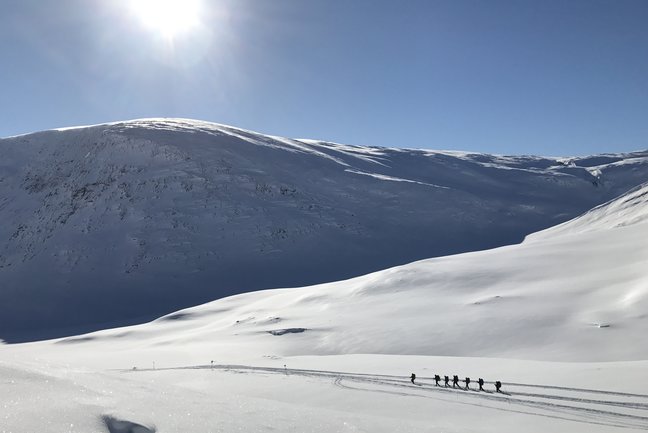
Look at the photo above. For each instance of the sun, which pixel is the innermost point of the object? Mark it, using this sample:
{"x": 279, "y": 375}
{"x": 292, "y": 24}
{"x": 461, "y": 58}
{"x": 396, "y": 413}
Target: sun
{"x": 168, "y": 18}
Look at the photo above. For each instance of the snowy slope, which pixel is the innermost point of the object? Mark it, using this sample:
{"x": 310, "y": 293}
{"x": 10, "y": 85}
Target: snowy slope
{"x": 629, "y": 209}
{"x": 581, "y": 297}
{"x": 240, "y": 364}
{"x": 127, "y": 221}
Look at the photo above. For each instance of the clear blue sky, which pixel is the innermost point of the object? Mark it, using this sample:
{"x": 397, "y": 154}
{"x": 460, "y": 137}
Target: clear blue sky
{"x": 551, "y": 77}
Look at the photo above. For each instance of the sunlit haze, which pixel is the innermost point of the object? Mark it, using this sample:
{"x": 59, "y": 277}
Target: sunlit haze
{"x": 554, "y": 78}
{"x": 168, "y": 17}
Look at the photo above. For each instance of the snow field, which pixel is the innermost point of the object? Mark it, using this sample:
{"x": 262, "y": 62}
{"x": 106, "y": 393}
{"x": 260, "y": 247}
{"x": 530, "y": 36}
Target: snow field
{"x": 329, "y": 394}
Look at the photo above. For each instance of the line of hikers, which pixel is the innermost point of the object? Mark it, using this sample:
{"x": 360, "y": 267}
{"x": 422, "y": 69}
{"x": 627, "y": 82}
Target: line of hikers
{"x": 455, "y": 382}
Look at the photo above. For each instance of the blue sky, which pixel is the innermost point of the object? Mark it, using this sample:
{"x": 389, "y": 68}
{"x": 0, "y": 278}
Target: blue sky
{"x": 502, "y": 76}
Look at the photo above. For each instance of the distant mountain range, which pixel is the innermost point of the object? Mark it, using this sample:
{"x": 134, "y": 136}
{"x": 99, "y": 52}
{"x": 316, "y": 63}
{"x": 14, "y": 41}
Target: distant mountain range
{"x": 120, "y": 223}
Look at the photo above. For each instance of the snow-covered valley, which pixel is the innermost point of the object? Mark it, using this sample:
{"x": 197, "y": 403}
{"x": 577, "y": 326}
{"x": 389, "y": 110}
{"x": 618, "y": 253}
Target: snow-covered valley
{"x": 559, "y": 318}
{"x": 124, "y": 222}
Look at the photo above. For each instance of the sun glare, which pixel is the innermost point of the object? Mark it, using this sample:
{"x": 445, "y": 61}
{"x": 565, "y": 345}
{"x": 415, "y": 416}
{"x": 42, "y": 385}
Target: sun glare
{"x": 168, "y": 18}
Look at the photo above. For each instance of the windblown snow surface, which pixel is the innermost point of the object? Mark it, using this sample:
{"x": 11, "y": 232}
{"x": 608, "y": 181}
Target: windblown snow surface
{"x": 560, "y": 319}
{"x": 120, "y": 223}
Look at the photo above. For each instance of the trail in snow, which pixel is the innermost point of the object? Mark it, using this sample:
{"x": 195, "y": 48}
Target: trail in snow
{"x": 619, "y": 409}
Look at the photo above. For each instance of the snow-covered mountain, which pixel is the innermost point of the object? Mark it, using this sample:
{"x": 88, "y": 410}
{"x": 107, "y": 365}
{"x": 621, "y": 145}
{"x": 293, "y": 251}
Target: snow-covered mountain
{"x": 126, "y": 221}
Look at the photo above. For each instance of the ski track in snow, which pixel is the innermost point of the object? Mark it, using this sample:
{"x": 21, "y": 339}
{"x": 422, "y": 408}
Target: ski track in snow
{"x": 626, "y": 411}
